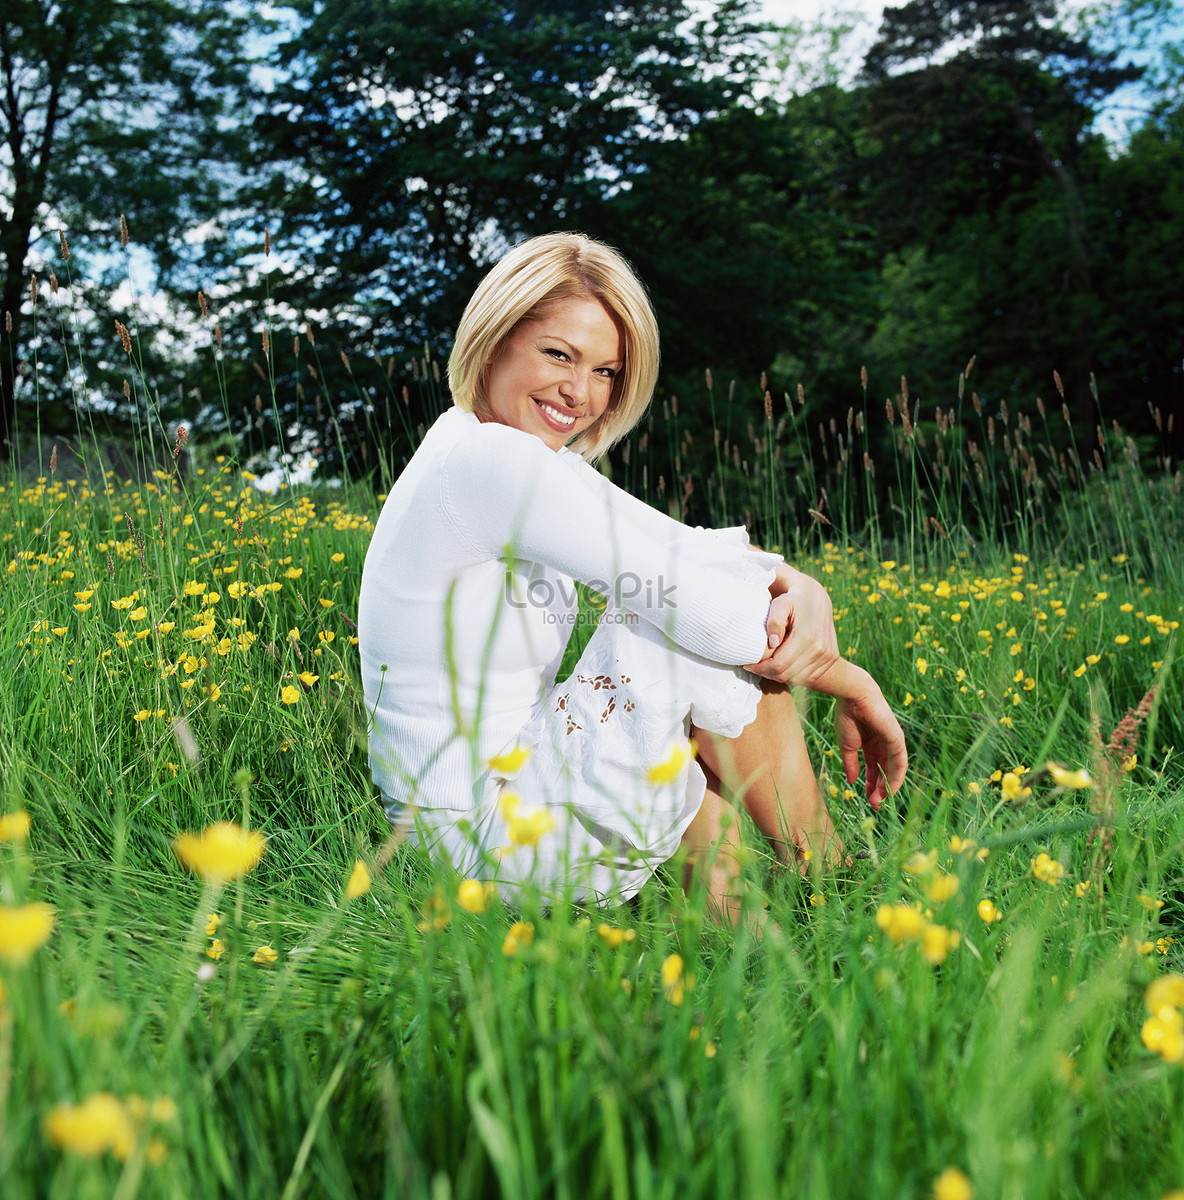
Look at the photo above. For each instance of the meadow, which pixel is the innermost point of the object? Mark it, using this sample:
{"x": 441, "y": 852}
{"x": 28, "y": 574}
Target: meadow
{"x": 986, "y": 1002}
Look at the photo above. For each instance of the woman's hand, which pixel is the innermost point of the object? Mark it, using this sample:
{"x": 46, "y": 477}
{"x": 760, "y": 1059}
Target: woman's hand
{"x": 863, "y": 721}
{"x": 803, "y": 646}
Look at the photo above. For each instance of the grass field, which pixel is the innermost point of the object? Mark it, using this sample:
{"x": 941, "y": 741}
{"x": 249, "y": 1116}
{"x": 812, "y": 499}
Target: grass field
{"x": 964, "y": 1010}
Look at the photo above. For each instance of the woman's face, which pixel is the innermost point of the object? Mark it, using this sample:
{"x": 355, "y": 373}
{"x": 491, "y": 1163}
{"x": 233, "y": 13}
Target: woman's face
{"x": 553, "y": 377}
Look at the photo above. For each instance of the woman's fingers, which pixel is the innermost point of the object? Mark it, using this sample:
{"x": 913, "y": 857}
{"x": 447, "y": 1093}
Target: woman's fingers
{"x": 780, "y": 616}
{"x": 871, "y": 726}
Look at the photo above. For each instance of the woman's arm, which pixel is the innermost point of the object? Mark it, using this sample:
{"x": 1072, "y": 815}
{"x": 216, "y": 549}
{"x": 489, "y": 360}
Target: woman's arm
{"x": 863, "y": 720}
{"x": 803, "y": 650}
{"x": 507, "y": 495}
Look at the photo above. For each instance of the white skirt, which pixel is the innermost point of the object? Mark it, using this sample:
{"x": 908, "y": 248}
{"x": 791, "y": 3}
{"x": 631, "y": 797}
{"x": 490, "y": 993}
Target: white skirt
{"x": 593, "y": 741}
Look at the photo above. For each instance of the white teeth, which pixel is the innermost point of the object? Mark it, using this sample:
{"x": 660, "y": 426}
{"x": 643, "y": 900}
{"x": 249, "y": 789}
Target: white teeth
{"x": 556, "y": 415}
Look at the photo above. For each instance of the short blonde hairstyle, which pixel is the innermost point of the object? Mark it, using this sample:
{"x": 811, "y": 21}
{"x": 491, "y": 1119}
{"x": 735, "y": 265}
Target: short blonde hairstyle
{"x": 541, "y": 272}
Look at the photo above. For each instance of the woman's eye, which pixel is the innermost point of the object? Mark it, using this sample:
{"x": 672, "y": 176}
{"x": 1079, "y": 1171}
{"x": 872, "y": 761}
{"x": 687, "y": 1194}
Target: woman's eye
{"x": 608, "y": 372}
{"x": 557, "y": 354}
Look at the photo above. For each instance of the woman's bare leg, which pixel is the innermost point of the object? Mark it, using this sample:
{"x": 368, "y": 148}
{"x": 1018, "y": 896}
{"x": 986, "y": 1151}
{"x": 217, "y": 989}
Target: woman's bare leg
{"x": 712, "y": 841}
{"x": 768, "y": 769}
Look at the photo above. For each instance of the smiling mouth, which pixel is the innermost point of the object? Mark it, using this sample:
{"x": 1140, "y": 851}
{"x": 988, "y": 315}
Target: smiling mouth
{"x": 554, "y": 416}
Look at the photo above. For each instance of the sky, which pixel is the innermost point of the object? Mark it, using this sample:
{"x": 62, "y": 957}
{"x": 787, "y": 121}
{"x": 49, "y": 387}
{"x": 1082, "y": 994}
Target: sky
{"x": 780, "y": 11}
{"x": 1126, "y": 108}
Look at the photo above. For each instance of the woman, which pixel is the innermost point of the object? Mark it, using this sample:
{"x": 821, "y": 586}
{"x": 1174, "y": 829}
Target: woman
{"x": 467, "y": 603}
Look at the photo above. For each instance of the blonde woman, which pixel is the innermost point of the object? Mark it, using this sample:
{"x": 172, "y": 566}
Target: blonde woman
{"x": 681, "y": 698}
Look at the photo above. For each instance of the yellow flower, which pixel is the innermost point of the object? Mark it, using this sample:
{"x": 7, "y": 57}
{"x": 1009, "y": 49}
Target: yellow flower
{"x": 1012, "y": 788}
{"x": 99, "y": 1123}
{"x": 142, "y": 715}
{"x": 264, "y": 956}
{"x": 221, "y": 852}
{"x": 518, "y": 937}
{"x": 1166, "y": 992}
{"x": 1164, "y": 1035}
{"x": 1080, "y": 889}
{"x": 1046, "y": 869}
{"x": 1122, "y": 639}
{"x": 212, "y": 923}
{"x": 672, "y": 978}
{"x": 290, "y": 694}
{"x": 952, "y": 1184}
{"x": 921, "y": 864}
{"x": 358, "y": 883}
{"x": 530, "y": 824}
{"x": 307, "y": 678}
{"x": 238, "y": 590}
{"x": 337, "y": 558}
{"x": 670, "y": 769}
{"x": 1130, "y": 762}
{"x": 509, "y": 764}
{"x": 23, "y": 928}
{"x": 326, "y": 637}
{"x": 1149, "y": 902}
{"x": 988, "y": 912}
{"x": 138, "y": 614}
{"x": 525, "y": 825}
{"x": 1065, "y": 778}
{"x": 437, "y": 913}
{"x": 614, "y": 936}
{"x": 941, "y": 887}
{"x": 193, "y": 588}
{"x": 216, "y": 948}
{"x": 293, "y": 572}
{"x": 962, "y": 845}
{"x": 937, "y": 941}
{"x": 474, "y": 896}
{"x": 125, "y": 601}
{"x": 14, "y": 827}
{"x": 900, "y": 922}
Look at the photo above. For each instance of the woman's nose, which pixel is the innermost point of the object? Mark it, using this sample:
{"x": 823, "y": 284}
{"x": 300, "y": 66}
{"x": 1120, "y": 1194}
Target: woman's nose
{"x": 574, "y": 389}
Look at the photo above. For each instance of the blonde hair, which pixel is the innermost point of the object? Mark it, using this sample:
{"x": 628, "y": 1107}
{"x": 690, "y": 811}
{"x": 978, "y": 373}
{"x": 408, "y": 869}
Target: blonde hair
{"x": 541, "y": 272}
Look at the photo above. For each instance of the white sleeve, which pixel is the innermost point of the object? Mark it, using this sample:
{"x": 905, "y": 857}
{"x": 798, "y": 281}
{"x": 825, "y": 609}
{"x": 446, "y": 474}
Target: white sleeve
{"x": 507, "y": 495}
{"x": 653, "y": 521}
{"x": 705, "y": 545}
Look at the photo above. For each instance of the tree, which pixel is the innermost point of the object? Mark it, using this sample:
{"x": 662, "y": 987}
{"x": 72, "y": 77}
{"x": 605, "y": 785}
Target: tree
{"x": 112, "y": 110}
{"x": 413, "y": 143}
{"x": 980, "y": 115}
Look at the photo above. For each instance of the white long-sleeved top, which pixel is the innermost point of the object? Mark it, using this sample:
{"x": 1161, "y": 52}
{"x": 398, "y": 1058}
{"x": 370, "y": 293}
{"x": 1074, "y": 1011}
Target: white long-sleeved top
{"x": 467, "y": 597}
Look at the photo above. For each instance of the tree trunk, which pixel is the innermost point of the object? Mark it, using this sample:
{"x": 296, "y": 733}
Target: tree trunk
{"x": 10, "y": 340}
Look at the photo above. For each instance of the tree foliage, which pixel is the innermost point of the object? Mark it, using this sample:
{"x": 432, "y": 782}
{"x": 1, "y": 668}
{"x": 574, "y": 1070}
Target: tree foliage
{"x": 413, "y": 142}
{"x": 956, "y": 198}
{"x": 107, "y": 110}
